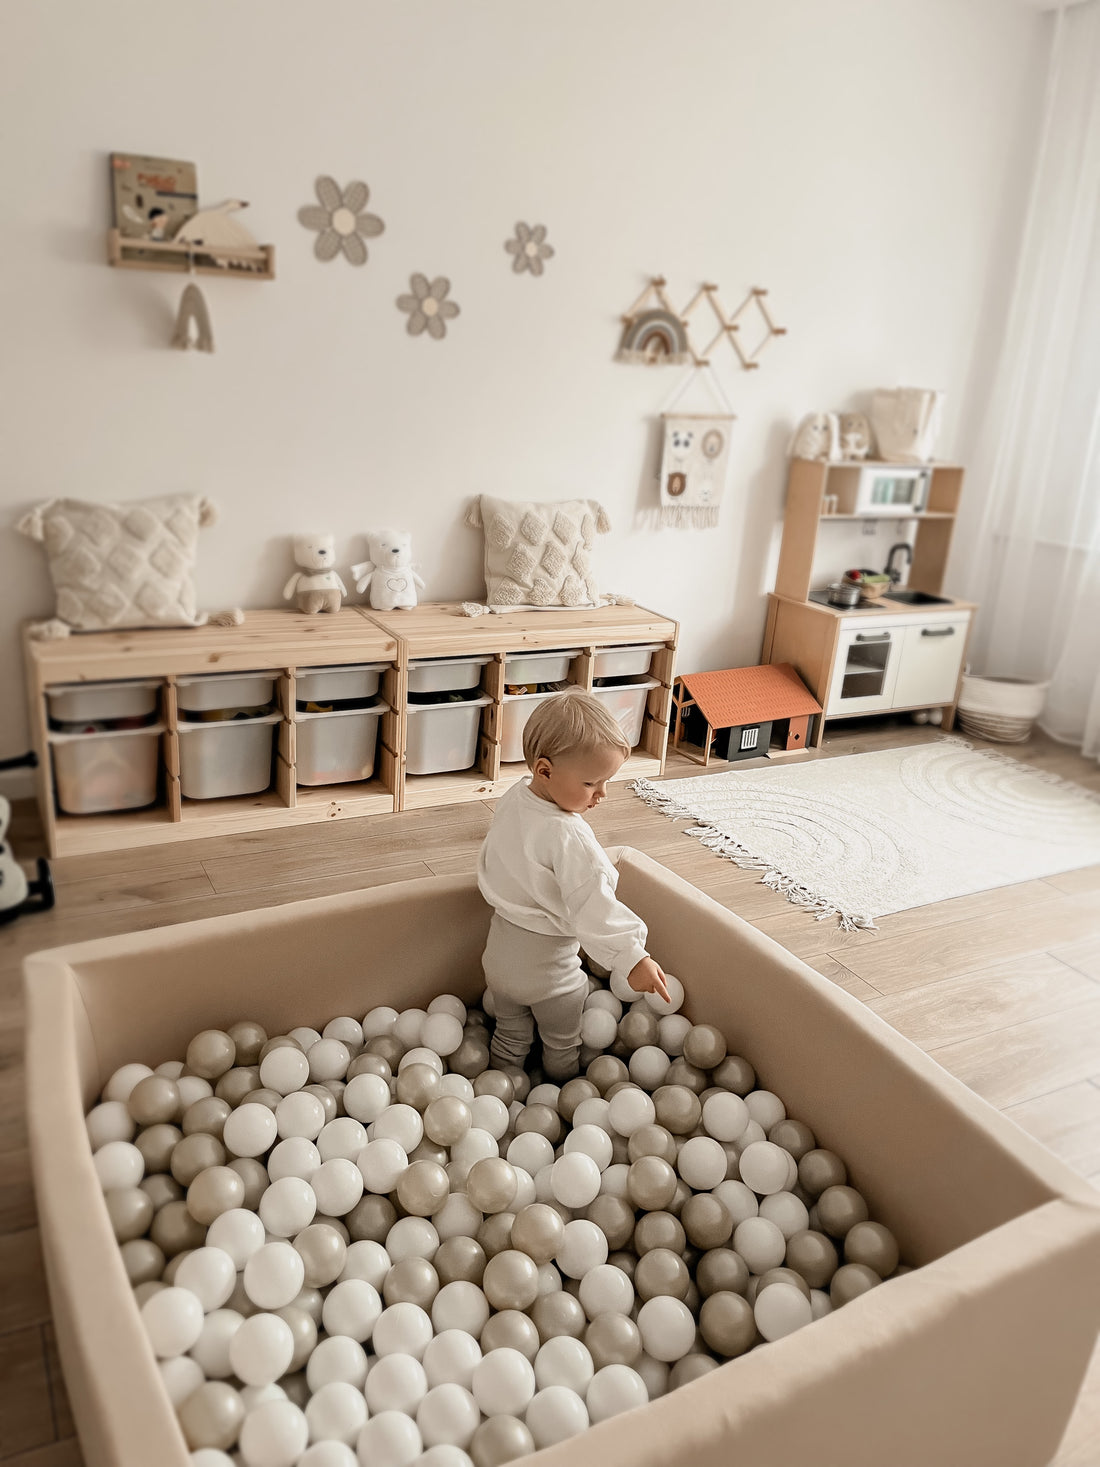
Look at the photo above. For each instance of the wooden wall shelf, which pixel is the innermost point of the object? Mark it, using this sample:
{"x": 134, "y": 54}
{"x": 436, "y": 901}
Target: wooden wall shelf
{"x": 283, "y": 642}
{"x": 226, "y": 263}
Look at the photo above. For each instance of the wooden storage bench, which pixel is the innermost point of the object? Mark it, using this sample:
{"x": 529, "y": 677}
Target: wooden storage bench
{"x": 283, "y": 643}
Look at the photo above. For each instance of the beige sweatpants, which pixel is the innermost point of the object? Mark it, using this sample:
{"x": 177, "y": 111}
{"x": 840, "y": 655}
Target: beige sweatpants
{"x": 535, "y": 978}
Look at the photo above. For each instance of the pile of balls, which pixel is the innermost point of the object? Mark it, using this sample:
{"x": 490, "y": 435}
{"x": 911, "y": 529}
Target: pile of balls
{"x": 364, "y": 1245}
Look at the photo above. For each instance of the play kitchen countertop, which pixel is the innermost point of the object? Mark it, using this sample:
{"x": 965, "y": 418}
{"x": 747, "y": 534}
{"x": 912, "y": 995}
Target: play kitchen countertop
{"x": 887, "y": 608}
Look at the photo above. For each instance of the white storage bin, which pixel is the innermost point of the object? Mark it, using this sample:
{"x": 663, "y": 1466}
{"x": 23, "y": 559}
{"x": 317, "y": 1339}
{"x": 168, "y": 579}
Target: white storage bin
{"x": 627, "y": 704}
{"x": 337, "y": 747}
{"x": 539, "y": 667}
{"x": 332, "y": 684}
{"x": 518, "y": 708}
{"x": 224, "y": 690}
{"x": 229, "y": 758}
{"x": 86, "y": 702}
{"x": 624, "y": 661}
{"x": 97, "y": 772}
{"x": 442, "y": 736}
{"x": 445, "y": 674}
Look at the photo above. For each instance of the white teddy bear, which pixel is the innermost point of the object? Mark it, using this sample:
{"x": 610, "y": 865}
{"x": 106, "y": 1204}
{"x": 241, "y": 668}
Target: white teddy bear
{"x": 389, "y": 574}
{"x": 316, "y": 582}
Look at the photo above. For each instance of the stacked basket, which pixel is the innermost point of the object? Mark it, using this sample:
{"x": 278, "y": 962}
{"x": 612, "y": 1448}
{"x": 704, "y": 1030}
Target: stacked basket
{"x": 1003, "y": 709}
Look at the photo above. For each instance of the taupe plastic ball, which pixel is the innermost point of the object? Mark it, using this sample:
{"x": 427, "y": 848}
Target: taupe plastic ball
{"x": 236, "y": 1083}
{"x": 851, "y": 1280}
{"x": 469, "y": 1059}
{"x": 872, "y": 1244}
{"x": 495, "y": 1233}
{"x": 211, "y": 1416}
{"x": 495, "y": 1082}
{"x": 324, "y": 1253}
{"x": 143, "y": 1260}
{"x": 156, "y": 1145}
{"x": 154, "y": 1101}
{"x": 446, "y": 1119}
{"x": 819, "y": 1169}
{"x": 651, "y": 1183}
{"x": 704, "y": 1046}
{"x": 256, "y": 1180}
{"x": 727, "y": 1324}
{"x": 628, "y": 1262}
{"x": 161, "y": 1189}
{"x": 174, "y": 1229}
{"x": 721, "y": 1270}
{"x": 511, "y": 1280}
{"x": 277, "y": 1041}
{"x": 248, "y": 1039}
{"x": 194, "y": 1154}
{"x": 838, "y": 1209}
{"x": 541, "y": 1119}
{"x": 371, "y": 1219}
{"x": 211, "y": 1053}
{"x": 660, "y": 1271}
{"x": 206, "y": 1117}
{"x": 572, "y": 1093}
{"x": 370, "y": 1064}
{"x": 130, "y": 1210}
{"x": 460, "y": 1258}
{"x": 706, "y": 1221}
{"x": 813, "y": 1255}
{"x": 215, "y": 1190}
{"x": 784, "y": 1276}
{"x": 538, "y": 1230}
{"x": 326, "y": 1093}
{"x": 678, "y": 1109}
{"x": 680, "y": 1072}
{"x": 736, "y": 1074}
{"x": 521, "y": 1083}
{"x": 558, "y": 1314}
{"x": 491, "y": 1184}
{"x": 426, "y": 1150}
{"x": 659, "y": 1230}
{"x": 304, "y": 1330}
{"x": 605, "y": 1071}
{"x": 638, "y": 1027}
{"x": 262, "y": 1095}
{"x": 615, "y": 1219}
{"x": 499, "y": 1440}
{"x": 411, "y": 1281}
{"x": 422, "y": 1188}
{"x": 691, "y": 1367}
{"x": 510, "y": 1330}
{"x": 388, "y": 1046}
{"x": 652, "y": 1141}
{"x": 418, "y": 1085}
{"x": 613, "y": 1339}
{"x": 794, "y": 1136}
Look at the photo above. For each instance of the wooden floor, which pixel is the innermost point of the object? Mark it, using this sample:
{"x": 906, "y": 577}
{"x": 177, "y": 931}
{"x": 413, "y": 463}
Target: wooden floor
{"x": 1002, "y": 987}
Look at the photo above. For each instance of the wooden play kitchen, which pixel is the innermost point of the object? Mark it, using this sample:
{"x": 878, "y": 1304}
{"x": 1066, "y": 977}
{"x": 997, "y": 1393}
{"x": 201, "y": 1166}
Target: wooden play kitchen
{"x": 902, "y": 652}
{"x": 177, "y": 733}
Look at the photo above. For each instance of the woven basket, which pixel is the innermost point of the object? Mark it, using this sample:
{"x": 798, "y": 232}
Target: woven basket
{"x": 1000, "y": 729}
{"x": 1001, "y": 709}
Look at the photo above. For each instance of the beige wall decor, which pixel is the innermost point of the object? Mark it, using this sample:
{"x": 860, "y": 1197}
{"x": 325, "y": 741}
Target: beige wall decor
{"x": 193, "y": 328}
{"x": 427, "y": 306}
{"x": 660, "y": 335}
{"x": 341, "y": 220}
{"x": 528, "y": 248}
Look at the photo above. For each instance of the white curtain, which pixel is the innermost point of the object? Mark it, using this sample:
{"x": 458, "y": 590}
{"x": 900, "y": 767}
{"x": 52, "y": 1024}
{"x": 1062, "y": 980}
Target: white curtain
{"x": 1036, "y": 573}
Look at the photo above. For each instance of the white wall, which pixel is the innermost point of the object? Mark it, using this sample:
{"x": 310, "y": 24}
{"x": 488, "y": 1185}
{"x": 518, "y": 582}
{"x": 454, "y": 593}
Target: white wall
{"x": 862, "y": 159}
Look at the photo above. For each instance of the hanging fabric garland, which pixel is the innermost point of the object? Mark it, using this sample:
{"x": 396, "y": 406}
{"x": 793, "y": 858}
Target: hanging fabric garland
{"x": 694, "y": 460}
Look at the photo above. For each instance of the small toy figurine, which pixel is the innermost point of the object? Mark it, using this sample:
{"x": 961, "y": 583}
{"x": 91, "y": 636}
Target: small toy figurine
{"x": 316, "y": 583}
{"x": 17, "y": 893}
{"x": 389, "y": 574}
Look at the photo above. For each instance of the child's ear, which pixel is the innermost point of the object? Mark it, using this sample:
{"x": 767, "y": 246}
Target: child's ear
{"x": 542, "y": 767}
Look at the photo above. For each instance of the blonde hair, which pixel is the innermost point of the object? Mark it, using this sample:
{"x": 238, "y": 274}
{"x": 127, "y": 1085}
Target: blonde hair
{"x": 572, "y": 722}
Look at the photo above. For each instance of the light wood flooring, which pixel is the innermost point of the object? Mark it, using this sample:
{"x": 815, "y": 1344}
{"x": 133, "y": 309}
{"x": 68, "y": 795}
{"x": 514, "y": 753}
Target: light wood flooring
{"x": 1002, "y": 987}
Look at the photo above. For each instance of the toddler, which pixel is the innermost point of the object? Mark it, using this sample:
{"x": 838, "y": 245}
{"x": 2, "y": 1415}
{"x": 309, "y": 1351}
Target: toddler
{"x": 552, "y": 888}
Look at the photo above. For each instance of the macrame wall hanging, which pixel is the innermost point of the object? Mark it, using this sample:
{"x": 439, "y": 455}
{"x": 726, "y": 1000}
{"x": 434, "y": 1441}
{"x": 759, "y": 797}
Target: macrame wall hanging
{"x": 656, "y": 334}
{"x": 694, "y": 459}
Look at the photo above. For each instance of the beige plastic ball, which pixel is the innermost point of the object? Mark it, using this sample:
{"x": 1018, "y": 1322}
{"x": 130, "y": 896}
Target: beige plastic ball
{"x": 812, "y": 1255}
{"x": 411, "y": 1281}
{"x": 446, "y": 1119}
{"x": 156, "y": 1145}
{"x": 491, "y": 1184}
{"x": 727, "y": 1324}
{"x": 614, "y": 1217}
{"x": 784, "y": 1276}
{"x": 510, "y": 1330}
{"x": 838, "y": 1210}
{"x": 460, "y": 1258}
{"x": 215, "y": 1190}
{"x": 538, "y": 1230}
{"x": 872, "y": 1244}
{"x": 154, "y": 1101}
{"x": 495, "y": 1082}
{"x": 211, "y": 1416}
{"x": 130, "y": 1210}
{"x": 613, "y": 1339}
{"x": 371, "y": 1219}
{"x": 495, "y": 1233}
{"x": 851, "y": 1280}
{"x": 499, "y": 1440}
{"x": 469, "y": 1059}
{"x": 418, "y": 1085}
{"x": 572, "y": 1093}
{"x": 638, "y": 1027}
{"x": 691, "y": 1367}
{"x": 194, "y": 1154}
{"x": 680, "y": 1072}
{"x": 736, "y": 1074}
{"x": 605, "y": 1071}
{"x": 256, "y": 1180}
{"x": 661, "y": 1271}
{"x": 721, "y": 1270}
{"x": 651, "y": 1183}
{"x": 678, "y": 1109}
{"x": 174, "y": 1229}
{"x": 820, "y": 1169}
{"x": 303, "y": 1328}
{"x": 652, "y": 1141}
{"x": 511, "y": 1280}
{"x": 206, "y": 1117}
{"x": 659, "y": 1230}
{"x": 558, "y": 1314}
{"x": 704, "y": 1046}
{"x": 794, "y": 1136}
{"x": 422, "y": 1188}
{"x": 211, "y": 1053}
{"x": 706, "y": 1221}
{"x": 248, "y": 1039}
{"x": 541, "y": 1119}
{"x": 323, "y": 1252}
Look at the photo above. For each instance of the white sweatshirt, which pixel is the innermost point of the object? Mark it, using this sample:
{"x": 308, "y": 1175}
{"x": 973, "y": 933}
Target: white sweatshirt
{"x": 543, "y": 869}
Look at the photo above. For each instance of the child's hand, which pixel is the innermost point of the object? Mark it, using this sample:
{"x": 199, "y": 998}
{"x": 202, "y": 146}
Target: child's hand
{"x": 647, "y": 977}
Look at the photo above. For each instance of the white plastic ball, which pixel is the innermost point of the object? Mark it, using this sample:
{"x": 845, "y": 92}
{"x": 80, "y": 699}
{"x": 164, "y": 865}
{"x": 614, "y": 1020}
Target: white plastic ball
{"x": 583, "y": 1246}
{"x": 457, "y": 1085}
{"x": 294, "y": 1157}
{"x": 525, "y": 1190}
{"x": 442, "y": 1032}
{"x": 274, "y": 1275}
{"x": 210, "y": 1457}
{"x": 780, "y": 1309}
{"x": 211, "y": 1350}
{"x": 667, "y": 1327}
{"x": 400, "y": 1123}
{"x": 448, "y": 1003}
{"x": 564, "y": 1361}
{"x": 250, "y": 1130}
{"x": 654, "y": 1374}
{"x": 328, "y": 1060}
{"x": 555, "y": 1414}
{"x": 284, "y": 1069}
{"x": 366, "y": 1097}
{"x": 575, "y": 1179}
{"x": 343, "y": 1138}
{"x": 451, "y": 1356}
{"x": 337, "y": 1412}
{"x": 412, "y": 1237}
{"x": 173, "y": 1321}
{"x": 337, "y": 1186}
{"x": 211, "y": 1275}
{"x": 181, "y": 1376}
{"x": 192, "y": 1088}
{"x": 621, "y": 989}
{"x": 725, "y": 1116}
{"x": 346, "y": 1028}
{"x": 118, "y": 1164}
{"x": 503, "y": 1383}
{"x": 380, "y": 1164}
{"x": 305, "y": 1036}
{"x": 448, "y": 1416}
{"x": 337, "y": 1358}
{"x": 630, "y": 1109}
{"x": 672, "y": 1030}
{"x": 787, "y": 1212}
{"x": 328, "y": 1454}
{"x": 395, "y": 1383}
{"x": 754, "y": 1131}
{"x": 765, "y": 1108}
{"x": 123, "y": 1080}
{"x": 702, "y": 1163}
{"x": 276, "y": 1433}
{"x": 402, "y": 1329}
{"x": 603, "y": 998}
{"x": 598, "y": 1028}
{"x": 444, "y": 1455}
{"x": 613, "y": 1390}
{"x": 613, "y": 1183}
{"x": 675, "y": 997}
{"x": 422, "y": 1055}
{"x": 738, "y": 1200}
{"x": 262, "y": 1349}
{"x": 764, "y": 1167}
{"x": 489, "y": 1113}
{"x": 460, "y": 1305}
{"x": 593, "y": 1112}
{"x": 110, "y": 1121}
{"x": 531, "y": 1151}
{"x": 591, "y": 1141}
{"x": 606, "y": 1290}
{"x": 408, "y": 1025}
{"x": 368, "y": 1260}
{"x": 237, "y": 1232}
{"x": 353, "y": 1308}
{"x": 288, "y": 1206}
{"x": 253, "y": 1396}
{"x": 820, "y": 1303}
{"x": 760, "y": 1244}
{"x": 475, "y": 1146}
{"x": 379, "y": 1021}
{"x": 389, "y": 1439}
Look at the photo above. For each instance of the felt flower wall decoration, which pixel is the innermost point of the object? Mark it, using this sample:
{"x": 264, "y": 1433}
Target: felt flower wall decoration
{"x": 428, "y": 308}
{"x": 529, "y": 248}
{"x": 340, "y": 220}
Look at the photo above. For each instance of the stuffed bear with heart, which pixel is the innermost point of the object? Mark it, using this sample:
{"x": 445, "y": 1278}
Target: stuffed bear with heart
{"x": 388, "y": 573}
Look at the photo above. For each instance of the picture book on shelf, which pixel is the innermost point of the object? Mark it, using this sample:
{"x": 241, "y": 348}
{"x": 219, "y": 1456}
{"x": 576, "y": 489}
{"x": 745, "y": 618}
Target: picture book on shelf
{"x": 151, "y": 197}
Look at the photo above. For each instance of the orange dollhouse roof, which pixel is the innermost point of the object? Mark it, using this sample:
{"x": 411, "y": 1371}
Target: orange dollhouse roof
{"x": 741, "y": 695}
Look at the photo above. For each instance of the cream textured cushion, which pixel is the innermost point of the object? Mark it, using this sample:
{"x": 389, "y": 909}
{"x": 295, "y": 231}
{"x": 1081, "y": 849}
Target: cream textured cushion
{"x": 539, "y": 555}
{"x": 122, "y": 565}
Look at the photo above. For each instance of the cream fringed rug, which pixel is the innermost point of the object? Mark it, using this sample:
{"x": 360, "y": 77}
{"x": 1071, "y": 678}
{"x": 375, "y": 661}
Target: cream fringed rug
{"x": 863, "y": 835}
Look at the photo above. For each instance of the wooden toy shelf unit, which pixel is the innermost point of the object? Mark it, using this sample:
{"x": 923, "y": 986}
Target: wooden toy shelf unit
{"x": 282, "y": 644}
